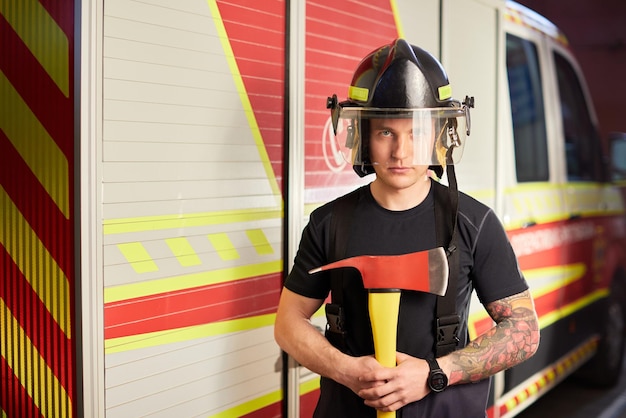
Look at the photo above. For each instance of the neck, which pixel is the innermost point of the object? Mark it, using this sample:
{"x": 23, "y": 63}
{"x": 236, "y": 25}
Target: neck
{"x": 400, "y": 199}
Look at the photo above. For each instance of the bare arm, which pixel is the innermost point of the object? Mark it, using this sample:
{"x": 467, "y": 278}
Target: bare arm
{"x": 513, "y": 339}
{"x": 295, "y": 334}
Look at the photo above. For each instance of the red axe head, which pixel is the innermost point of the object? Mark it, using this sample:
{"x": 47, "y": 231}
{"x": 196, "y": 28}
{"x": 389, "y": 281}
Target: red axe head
{"x": 423, "y": 271}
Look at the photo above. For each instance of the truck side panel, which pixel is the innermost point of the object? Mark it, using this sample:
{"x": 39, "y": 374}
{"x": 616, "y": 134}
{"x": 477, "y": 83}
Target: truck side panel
{"x": 192, "y": 206}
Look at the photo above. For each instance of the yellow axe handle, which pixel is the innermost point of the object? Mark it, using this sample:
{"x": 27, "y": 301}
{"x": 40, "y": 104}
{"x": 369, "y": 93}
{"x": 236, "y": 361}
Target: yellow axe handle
{"x": 383, "y": 309}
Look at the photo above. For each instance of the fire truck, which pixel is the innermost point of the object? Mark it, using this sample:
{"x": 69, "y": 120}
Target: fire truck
{"x": 160, "y": 159}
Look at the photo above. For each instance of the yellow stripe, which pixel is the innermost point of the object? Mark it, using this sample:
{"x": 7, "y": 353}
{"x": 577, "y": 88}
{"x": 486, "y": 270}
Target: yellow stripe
{"x": 309, "y": 386}
{"x": 567, "y": 274}
{"x": 31, "y": 140}
{"x": 224, "y": 246}
{"x": 524, "y": 197}
{"x": 269, "y": 399}
{"x": 170, "y": 284}
{"x": 259, "y": 241}
{"x": 31, "y": 369}
{"x": 250, "y": 406}
{"x": 245, "y": 100}
{"x": 582, "y": 302}
{"x": 548, "y": 376}
{"x": 35, "y": 262}
{"x": 138, "y": 257}
{"x": 158, "y": 223}
{"x": 159, "y": 338}
{"x": 183, "y": 251}
{"x": 396, "y": 18}
{"x": 42, "y": 36}
{"x": 563, "y": 312}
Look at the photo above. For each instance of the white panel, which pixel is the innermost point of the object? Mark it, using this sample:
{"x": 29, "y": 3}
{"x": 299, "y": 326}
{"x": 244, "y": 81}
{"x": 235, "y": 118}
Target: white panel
{"x": 420, "y": 23}
{"x": 125, "y": 90}
{"x": 168, "y": 73}
{"x": 172, "y": 114}
{"x": 470, "y": 57}
{"x": 160, "y": 234}
{"x": 137, "y": 131}
{"x": 182, "y": 190}
{"x": 160, "y": 18}
{"x": 139, "y": 209}
{"x": 200, "y": 377}
{"x": 129, "y": 171}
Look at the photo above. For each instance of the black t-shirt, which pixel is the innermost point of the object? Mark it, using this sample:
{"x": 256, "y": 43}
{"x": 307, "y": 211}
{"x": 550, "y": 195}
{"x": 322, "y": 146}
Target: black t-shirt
{"x": 487, "y": 265}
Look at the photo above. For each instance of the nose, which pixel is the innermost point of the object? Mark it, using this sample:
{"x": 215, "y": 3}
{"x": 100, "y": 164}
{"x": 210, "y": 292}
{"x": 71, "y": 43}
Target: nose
{"x": 402, "y": 146}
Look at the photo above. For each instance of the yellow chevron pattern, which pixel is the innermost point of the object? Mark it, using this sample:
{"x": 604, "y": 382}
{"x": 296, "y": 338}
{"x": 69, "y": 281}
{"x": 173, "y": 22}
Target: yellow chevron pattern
{"x": 19, "y": 352}
{"x": 45, "y": 277}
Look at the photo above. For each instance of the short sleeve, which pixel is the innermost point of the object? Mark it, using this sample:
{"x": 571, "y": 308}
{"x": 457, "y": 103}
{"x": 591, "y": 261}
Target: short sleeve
{"x": 496, "y": 273}
{"x": 311, "y": 254}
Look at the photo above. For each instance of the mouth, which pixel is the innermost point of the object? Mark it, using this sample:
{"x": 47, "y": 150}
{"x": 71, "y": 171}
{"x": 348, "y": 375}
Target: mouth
{"x": 399, "y": 169}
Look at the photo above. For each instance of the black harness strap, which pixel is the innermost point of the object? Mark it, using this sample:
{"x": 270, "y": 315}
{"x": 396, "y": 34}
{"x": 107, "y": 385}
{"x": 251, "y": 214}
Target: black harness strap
{"x": 340, "y": 223}
{"x": 446, "y": 212}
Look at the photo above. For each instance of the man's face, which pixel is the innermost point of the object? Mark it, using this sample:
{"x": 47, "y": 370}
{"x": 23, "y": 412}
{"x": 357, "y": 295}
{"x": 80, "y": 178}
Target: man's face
{"x": 398, "y": 152}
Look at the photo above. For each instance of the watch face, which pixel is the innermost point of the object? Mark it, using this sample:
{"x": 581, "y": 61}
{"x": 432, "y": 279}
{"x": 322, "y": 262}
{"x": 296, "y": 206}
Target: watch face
{"x": 438, "y": 381}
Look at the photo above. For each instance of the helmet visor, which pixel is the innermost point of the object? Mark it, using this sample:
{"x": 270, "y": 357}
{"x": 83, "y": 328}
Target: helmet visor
{"x": 376, "y": 136}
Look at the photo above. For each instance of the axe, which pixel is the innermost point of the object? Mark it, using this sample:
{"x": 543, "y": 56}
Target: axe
{"x": 385, "y": 277}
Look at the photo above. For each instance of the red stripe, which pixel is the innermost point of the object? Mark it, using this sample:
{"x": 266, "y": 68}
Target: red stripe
{"x": 196, "y": 306}
{"x": 40, "y": 327}
{"x": 271, "y": 411}
{"x": 241, "y": 6}
{"x": 256, "y": 31}
{"x": 308, "y": 402}
{"x": 14, "y": 399}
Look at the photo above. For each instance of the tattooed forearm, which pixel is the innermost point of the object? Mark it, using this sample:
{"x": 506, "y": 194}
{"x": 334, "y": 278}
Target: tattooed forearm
{"x": 513, "y": 339}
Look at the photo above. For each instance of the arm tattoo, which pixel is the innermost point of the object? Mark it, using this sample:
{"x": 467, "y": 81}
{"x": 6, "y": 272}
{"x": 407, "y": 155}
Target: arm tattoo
{"x": 513, "y": 339}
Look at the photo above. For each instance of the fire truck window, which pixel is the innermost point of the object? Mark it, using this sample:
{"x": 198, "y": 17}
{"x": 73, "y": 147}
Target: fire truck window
{"x": 527, "y": 110}
{"x": 583, "y": 153}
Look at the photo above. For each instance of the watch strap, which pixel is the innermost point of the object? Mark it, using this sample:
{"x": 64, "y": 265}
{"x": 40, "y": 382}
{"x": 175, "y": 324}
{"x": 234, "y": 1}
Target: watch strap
{"x": 433, "y": 364}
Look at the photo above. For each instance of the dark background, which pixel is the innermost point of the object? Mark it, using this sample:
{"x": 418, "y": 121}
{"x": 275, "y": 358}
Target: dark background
{"x": 596, "y": 30}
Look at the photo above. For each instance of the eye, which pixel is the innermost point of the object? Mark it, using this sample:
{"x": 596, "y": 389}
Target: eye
{"x": 386, "y": 133}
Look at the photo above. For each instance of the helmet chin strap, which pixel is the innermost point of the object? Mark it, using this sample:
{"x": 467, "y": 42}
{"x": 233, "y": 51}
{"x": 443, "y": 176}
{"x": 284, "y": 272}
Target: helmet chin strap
{"x": 453, "y": 190}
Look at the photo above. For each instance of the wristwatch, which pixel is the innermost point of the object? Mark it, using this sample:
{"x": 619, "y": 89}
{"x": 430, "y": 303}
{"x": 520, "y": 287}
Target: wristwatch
{"x": 437, "y": 379}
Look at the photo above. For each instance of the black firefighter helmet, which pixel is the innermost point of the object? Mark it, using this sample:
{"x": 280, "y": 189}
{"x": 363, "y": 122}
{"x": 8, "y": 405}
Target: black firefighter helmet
{"x": 401, "y": 80}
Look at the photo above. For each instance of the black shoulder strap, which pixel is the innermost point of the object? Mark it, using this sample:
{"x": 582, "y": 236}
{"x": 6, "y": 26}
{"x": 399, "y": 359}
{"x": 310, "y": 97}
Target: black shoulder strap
{"x": 340, "y": 222}
{"x": 446, "y": 211}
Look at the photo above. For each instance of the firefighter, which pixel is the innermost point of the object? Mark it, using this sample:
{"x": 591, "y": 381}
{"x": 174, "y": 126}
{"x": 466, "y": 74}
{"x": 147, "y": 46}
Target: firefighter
{"x": 403, "y": 126}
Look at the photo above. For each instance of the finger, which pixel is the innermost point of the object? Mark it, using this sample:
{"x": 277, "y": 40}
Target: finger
{"x": 373, "y": 392}
{"x": 386, "y": 404}
{"x": 402, "y": 357}
{"x": 381, "y": 374}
